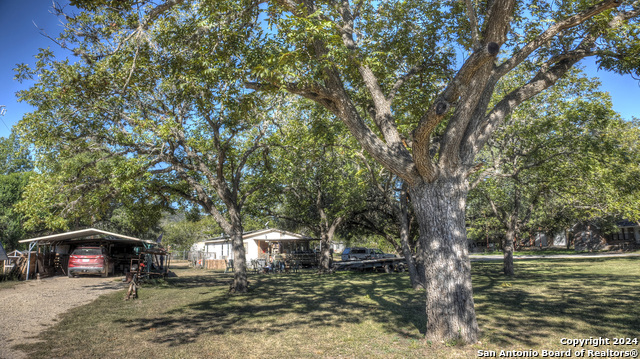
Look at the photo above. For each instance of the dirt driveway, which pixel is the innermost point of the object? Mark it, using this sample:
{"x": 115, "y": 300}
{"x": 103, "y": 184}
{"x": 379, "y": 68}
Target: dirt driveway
{"x": 28, "y": 308}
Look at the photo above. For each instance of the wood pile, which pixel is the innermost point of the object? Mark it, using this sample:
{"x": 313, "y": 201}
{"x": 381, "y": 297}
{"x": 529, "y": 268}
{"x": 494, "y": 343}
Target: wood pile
{"x": 19, "y": 269}
{"x": 39, "y": 263}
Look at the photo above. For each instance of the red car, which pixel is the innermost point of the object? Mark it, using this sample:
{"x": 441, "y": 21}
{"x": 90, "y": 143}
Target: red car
{"x": 89, "y": 260}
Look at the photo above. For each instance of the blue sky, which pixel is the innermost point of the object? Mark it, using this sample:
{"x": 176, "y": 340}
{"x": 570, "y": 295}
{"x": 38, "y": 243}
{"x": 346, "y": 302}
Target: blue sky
{"x": 20, "y": 40}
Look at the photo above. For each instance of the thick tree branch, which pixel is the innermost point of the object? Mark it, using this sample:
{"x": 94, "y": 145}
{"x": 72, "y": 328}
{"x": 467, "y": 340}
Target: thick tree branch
{"x": 539, "y": 83}
{"x": 473, "y": 22}
{"x": 465, "y": 84}
{"x": 498, "y": 211}
{"x": 498, "y": 21}
{"x": 318, "y": 94}
{"x": 481, "y": 129}
{"x": 382, "y": 116}
{"x": 202, "y": 198}
{"x": 333, "y": 97}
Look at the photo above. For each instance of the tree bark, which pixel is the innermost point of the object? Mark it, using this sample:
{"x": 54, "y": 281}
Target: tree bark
{"x": 512, "y": 227}
{"x": 325, "y": 253}
{"x": 240, "y": 284}
{"x": 417, "y": 281}
{"x": 440, "y": 211}
{"x": 326, "y": 239}
{"x": 507, "y": 249}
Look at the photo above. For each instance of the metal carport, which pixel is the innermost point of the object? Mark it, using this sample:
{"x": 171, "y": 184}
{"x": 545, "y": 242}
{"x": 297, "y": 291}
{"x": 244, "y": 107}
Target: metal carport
{"x": 84, "y": 236}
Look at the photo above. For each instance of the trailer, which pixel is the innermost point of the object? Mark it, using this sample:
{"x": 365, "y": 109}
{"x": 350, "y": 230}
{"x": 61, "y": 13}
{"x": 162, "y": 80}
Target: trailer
{"x": 388, "y": 265}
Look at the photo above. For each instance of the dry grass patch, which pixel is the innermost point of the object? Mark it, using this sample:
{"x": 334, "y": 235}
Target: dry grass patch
{"x": 348, "y": 315}
{"x": 8, "y": 284}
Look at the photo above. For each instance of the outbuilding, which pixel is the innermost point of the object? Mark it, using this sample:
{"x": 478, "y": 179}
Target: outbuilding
{"x": 52, "y": 251}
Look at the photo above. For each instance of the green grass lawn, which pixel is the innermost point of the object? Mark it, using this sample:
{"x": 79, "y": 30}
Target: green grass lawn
{"x": 534, "y": 252}
{"x": 349, "y": 314}
{"x": 546, "y": 252}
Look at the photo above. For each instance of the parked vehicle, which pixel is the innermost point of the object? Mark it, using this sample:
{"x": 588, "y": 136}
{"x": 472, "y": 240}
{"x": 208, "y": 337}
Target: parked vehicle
{"x": 377, "y": 253}
{"x": 362, "y": 253}
{"x": 89, "y": 260}
{"x": 354, "y": 253}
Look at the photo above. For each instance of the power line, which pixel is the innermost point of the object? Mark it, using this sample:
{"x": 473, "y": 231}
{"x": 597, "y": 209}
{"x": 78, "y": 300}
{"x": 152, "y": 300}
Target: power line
{"x": 3, "y": 110}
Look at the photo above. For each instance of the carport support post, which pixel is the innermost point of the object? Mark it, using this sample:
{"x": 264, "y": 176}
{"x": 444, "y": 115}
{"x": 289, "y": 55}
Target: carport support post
{"x": 31, "y": 245}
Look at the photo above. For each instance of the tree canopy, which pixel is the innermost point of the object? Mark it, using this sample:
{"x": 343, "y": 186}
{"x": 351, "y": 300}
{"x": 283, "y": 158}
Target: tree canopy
{"x": 537, "y": 165}
{"x": 317, "y": 182}
{"x": 15, "y": 173}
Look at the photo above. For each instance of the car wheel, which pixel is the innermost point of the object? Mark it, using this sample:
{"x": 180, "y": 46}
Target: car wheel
{"x": 69, "y": 274}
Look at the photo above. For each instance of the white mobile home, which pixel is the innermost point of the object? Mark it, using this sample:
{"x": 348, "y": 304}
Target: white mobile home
{"x": 259, "y": 244}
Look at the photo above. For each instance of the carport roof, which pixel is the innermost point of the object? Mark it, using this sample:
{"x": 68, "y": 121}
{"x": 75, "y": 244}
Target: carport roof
{"x": 84, "y": 233}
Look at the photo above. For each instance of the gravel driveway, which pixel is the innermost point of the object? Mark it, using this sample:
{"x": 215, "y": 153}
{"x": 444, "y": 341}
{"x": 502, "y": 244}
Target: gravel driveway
{"x": 28, "y": 308}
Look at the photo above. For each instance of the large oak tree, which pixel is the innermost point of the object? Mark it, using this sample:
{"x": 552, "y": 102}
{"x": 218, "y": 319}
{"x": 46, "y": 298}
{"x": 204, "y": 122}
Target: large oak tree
{"x": 378, "y": 68}
{"x": 148, "y": 112}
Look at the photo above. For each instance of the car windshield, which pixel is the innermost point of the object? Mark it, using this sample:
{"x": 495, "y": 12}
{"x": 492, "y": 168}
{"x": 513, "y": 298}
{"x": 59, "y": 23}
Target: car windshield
{"x": 87, "y": 251}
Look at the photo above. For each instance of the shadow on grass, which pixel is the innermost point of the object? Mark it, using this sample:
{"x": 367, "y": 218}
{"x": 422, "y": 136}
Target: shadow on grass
{"x": 546, "y": 298}
{"x": 278, "y": 303}
{"x": 555, "y": 297}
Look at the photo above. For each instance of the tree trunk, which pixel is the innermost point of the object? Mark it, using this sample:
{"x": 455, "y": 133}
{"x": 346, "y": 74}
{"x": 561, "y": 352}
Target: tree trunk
{"x": 507, "y": 249}
{"x": 325, "y": 253}
{"x": 420, "y": 271}
{"x": 417, "y": 281}
{"x": 512, "y": 228}
{"x": 326, "y": 239}
{"x": 440, "y": 211}
{"x": 240, "y": 284}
